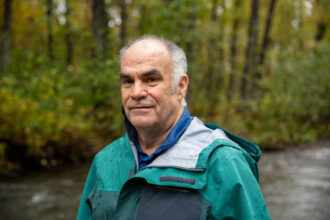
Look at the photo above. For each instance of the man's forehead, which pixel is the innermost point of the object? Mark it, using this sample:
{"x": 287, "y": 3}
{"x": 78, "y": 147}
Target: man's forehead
{"x": 146, "y": 48}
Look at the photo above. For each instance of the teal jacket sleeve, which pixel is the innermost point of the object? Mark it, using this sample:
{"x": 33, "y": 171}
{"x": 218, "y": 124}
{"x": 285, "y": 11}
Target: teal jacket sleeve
{"x": 233, "y": 177}
{"x": 83, "y": 210}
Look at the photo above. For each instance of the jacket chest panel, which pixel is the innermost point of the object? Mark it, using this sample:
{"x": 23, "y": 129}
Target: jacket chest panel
{"x": 143, "y": 201}
{"x": 164, "y": 203}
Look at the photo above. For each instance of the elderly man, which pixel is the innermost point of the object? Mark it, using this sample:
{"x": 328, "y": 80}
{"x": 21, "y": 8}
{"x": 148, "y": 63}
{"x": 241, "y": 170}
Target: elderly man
{"x": 169, "y": 165}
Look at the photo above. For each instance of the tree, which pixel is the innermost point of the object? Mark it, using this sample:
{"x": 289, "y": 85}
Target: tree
{"x": 100, "y": 27}
{"x": 233, "y": 47}
{"x": 250, "y": 56}
{"x": 321, "y": 22}
{"x": 190, "y": 25}
{"x": 143, "y": 11}
{"x": 189, "y": 43}
{"x": 216, "y": 52}
{"x": 123, "y": 26}
{"x": 212, "y": 46}
{"x": 6, "y": 37}
{"x": 49, "y": 13}
{"x": 68, "y": 35}
{"x": 265, "y": 40}
{"x": 219, "y": 79}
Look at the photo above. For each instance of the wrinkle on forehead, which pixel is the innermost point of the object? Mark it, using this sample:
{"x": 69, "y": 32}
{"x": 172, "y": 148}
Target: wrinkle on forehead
{"x": 144, "y": 50}
{"x": 147, "y": 54}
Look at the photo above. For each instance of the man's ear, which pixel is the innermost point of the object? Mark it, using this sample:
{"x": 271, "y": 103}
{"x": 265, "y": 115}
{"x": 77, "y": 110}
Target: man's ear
{"x": 182, "y": 87}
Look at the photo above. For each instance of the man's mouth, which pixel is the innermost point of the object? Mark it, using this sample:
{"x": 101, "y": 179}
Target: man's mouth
{"x": 140, "y": 107}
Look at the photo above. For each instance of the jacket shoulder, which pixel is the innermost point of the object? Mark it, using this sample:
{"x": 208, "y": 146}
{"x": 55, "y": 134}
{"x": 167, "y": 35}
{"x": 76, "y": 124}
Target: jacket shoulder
{"x": 233, "y": 176}
{"x": 233, "y": 157}
{"x": 114, "y": 149}
{"x": 116, "y": 158}
{"x": 111, "y": 146}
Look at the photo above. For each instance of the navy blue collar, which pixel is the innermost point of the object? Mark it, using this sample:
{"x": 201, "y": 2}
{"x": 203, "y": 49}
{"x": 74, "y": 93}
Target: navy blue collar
{"x": 172, "y": 138}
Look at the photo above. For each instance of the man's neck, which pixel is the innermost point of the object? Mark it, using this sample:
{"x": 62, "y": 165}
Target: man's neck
{"x": 150, "y": 139}
{"x": 150, "y": 142}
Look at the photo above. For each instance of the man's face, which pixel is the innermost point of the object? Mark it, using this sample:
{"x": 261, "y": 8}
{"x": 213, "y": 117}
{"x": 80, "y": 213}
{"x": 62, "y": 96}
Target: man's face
{"x": 146, "y": 79}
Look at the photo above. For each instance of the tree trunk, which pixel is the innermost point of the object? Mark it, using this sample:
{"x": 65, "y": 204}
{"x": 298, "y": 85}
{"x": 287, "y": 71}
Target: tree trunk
{"x": 99, "y": 26}
{"x": 321, "y": 22}
{"x": 189, "y": 47}
{"x": 143, "y": 11}
{"x": 6, "y": 36}
{"x": 123, "y": 26}
{"x": 49, "y": 13}
{"x": 68, "y": 36}
{"x": 321, "y": 29}
{"x": 250, "y": 60}
{"x": 216, "y": 55}
{"x": 212, "y": 48}
{"x": 221, "y": 60}
{"x": 192, "y": 16}
{"x": 167, "y": 2}
{"x": 233, "y": 48}
{"x": 265, "y": 40}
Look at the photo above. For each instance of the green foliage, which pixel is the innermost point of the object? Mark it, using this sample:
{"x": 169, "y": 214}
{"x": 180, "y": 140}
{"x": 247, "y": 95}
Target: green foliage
{"x": 292, "y": 105}
{"x": 49, "y": 117}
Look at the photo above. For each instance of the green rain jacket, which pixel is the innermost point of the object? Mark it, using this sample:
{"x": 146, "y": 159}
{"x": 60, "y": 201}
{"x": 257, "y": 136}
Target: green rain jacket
{"x": 208, "y": 174}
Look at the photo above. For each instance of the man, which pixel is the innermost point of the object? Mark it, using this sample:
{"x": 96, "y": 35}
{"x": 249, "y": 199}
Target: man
{"x": 169, "y": 165}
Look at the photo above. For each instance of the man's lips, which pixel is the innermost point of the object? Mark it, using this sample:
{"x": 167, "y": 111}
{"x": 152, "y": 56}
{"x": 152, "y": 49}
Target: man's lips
{"x": 140, "y": 107}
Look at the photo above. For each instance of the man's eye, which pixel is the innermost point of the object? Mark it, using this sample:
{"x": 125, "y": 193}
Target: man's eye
{"x": 151, "y": 80}
{"x": 127, "y": 81}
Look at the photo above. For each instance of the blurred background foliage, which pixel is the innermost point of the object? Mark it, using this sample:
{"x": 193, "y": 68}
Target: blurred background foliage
{"x": 259, "y": 68}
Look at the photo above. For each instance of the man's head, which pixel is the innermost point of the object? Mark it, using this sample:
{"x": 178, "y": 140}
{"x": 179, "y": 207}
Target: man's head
{"x": 178, "y": 58}
{"x": 153, "y": 82}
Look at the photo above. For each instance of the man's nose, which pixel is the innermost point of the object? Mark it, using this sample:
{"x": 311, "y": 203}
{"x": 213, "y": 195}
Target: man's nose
{"x": 139, "y": 91}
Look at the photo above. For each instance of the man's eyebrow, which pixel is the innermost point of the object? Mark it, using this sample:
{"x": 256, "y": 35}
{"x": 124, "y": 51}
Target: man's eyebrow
{"x": 151, "y": 72}
{"x": 123, "y": 75}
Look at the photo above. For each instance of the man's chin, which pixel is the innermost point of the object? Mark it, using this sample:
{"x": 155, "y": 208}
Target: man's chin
{"x": 141, "y": 122}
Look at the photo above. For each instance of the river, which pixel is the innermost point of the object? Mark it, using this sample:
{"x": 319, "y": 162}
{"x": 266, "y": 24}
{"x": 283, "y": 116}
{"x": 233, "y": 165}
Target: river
{"x": 295, "y": 184}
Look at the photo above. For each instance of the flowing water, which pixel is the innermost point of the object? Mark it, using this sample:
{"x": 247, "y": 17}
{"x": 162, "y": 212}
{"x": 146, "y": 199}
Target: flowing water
{"x": 295, "y": 184}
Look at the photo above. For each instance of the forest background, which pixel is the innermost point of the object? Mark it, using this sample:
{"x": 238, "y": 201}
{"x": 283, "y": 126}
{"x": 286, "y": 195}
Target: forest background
{"x": 259, "y": 68}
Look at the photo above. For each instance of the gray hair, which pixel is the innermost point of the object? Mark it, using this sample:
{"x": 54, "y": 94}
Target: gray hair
{"x": 178, "y": 58}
